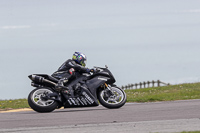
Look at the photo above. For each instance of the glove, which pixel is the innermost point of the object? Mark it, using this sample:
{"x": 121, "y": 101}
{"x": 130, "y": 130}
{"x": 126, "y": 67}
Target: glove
{"x": 92, "y": 70}
{"x": 88, "y": 70}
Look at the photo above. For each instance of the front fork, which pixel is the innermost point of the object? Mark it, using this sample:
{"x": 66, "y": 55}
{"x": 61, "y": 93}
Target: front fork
{"x": 108, "y": 87}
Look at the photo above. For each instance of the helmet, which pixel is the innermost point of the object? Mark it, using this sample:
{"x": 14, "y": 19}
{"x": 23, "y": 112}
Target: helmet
{"x": 80, "y": 58}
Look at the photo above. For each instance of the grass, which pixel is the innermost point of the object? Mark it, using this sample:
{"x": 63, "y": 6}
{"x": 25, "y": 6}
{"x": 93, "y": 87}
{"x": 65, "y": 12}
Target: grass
{"x": 164, "y": 93}
{"x": 191, "y": 132}
{"x": 13, "y": 104}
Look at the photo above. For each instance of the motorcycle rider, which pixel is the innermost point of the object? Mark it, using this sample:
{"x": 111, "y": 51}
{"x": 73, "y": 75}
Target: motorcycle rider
{"x": 68, "y": 71}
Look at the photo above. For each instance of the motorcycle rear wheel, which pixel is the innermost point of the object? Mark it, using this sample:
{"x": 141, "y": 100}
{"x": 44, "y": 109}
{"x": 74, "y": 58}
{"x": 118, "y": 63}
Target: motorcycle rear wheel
{"x": 116, "y": 100}
{"x": 39, "y": 104}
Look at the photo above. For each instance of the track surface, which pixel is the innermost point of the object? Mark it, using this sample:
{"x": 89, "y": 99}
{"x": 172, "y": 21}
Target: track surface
{"x": 180, "y": 114}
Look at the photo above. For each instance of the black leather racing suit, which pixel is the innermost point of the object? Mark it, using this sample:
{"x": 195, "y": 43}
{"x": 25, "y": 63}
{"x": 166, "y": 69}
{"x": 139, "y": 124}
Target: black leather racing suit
{"x": 63, "y": 73}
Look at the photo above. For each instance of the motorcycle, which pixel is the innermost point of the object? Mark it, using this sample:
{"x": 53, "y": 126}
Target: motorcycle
{"x": 88, "y": 90}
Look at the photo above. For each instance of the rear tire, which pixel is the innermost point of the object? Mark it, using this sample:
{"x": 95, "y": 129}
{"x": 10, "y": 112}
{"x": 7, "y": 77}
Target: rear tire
{"x": 37, "y": 103}
{"x": 113, "y": 101}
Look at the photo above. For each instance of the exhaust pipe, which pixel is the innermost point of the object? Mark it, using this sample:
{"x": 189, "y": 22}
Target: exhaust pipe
{"x": 36, "y": 85}
{"x": 40, "y": 79}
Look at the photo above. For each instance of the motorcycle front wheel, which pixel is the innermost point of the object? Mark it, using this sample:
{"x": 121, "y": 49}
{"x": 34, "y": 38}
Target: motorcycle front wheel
{"x": 114, "y": 99}
{"x": 37, "y": 102}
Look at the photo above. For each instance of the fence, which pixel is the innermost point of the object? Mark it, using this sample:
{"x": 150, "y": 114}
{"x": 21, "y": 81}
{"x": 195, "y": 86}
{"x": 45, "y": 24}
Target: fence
{"x": 144, "y": 85}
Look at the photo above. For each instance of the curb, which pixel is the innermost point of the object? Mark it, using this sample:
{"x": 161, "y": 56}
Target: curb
{"x": 16, "y": 110}
{"x": 19, "y": 110}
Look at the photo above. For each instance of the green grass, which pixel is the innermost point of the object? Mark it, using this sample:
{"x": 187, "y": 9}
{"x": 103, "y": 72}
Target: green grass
{"x": 13, "y": 104}
{"x": 165, "y": 93}
{"x": 191, "y": 132}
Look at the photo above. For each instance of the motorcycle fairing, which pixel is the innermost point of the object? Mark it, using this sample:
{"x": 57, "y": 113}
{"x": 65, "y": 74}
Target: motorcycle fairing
{"x": 94, "y": 83}
{"x": 84, "y": 99}
{"x": 88, "y": 95}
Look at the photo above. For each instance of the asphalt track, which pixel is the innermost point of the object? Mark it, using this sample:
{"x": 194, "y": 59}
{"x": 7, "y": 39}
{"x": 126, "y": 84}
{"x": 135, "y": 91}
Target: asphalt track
{"x": 174, "y": 116}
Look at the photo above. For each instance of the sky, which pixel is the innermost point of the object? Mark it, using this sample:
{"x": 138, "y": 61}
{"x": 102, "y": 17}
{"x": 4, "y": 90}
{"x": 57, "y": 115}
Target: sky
{"x": 139, "y": 40}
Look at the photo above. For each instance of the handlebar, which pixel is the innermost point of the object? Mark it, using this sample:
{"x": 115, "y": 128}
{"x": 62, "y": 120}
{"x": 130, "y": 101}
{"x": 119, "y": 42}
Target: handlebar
{"x": 97, "y": 69}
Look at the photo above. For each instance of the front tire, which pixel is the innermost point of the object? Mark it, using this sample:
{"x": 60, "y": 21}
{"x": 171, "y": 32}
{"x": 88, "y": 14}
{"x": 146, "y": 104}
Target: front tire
{"x": 39, "y": 104}
{"x": 116, "y": 100}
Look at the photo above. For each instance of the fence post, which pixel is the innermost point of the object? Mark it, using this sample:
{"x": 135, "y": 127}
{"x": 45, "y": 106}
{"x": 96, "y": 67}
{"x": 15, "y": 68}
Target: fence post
{"x": 148, "y": 83}
{"x": 132, "y": 86}
{"x": 158, "y": 83}
{"x": 140, "y": 85}
{"x": 144, "y": 84}
{"x": 126, "y": 87}
{"x": 153, "y": 83}
{"x": 129, "y": 86}
{"x": 122, "y": 87}
{"x": 136, "y": 86}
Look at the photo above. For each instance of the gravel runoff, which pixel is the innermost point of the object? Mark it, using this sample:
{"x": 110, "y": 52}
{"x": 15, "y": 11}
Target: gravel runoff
{"x": 160, "y": 126}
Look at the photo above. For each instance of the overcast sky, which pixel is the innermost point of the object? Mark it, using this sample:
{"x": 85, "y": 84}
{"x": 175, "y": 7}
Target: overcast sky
{"x": 139, "y": 40}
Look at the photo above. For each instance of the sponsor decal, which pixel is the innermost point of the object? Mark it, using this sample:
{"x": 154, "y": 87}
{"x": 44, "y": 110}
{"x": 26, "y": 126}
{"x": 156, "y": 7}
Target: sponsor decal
{"x": 80, "y": 57}
{"x": 103, "y": 79}
{"x": 71, "y": 71}
{"x": 77, "y": 102}
{"x": 83, "y": 100}
{"x": 72, "y": 100}
{"x": 87, "y": 97}
{"x": 106, "y": 73}
{"x": 69, "y": 102}
{"x": 80, "y": 101}
{"x": 87, "y": 101}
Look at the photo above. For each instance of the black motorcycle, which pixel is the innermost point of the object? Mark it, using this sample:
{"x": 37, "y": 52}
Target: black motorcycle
{"x": 87, "y": 91}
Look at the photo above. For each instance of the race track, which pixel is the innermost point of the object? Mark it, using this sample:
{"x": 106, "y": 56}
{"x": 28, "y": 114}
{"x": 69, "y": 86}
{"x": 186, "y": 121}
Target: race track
{"x": 133, "y": 117}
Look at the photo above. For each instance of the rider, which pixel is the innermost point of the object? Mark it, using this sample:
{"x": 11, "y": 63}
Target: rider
{"x": 67, "y": 70}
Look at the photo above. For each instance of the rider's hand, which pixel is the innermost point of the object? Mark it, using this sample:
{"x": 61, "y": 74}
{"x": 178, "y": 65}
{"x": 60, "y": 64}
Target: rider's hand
{"x": 92, "y": 70}
{"x": 88, "y": 70}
